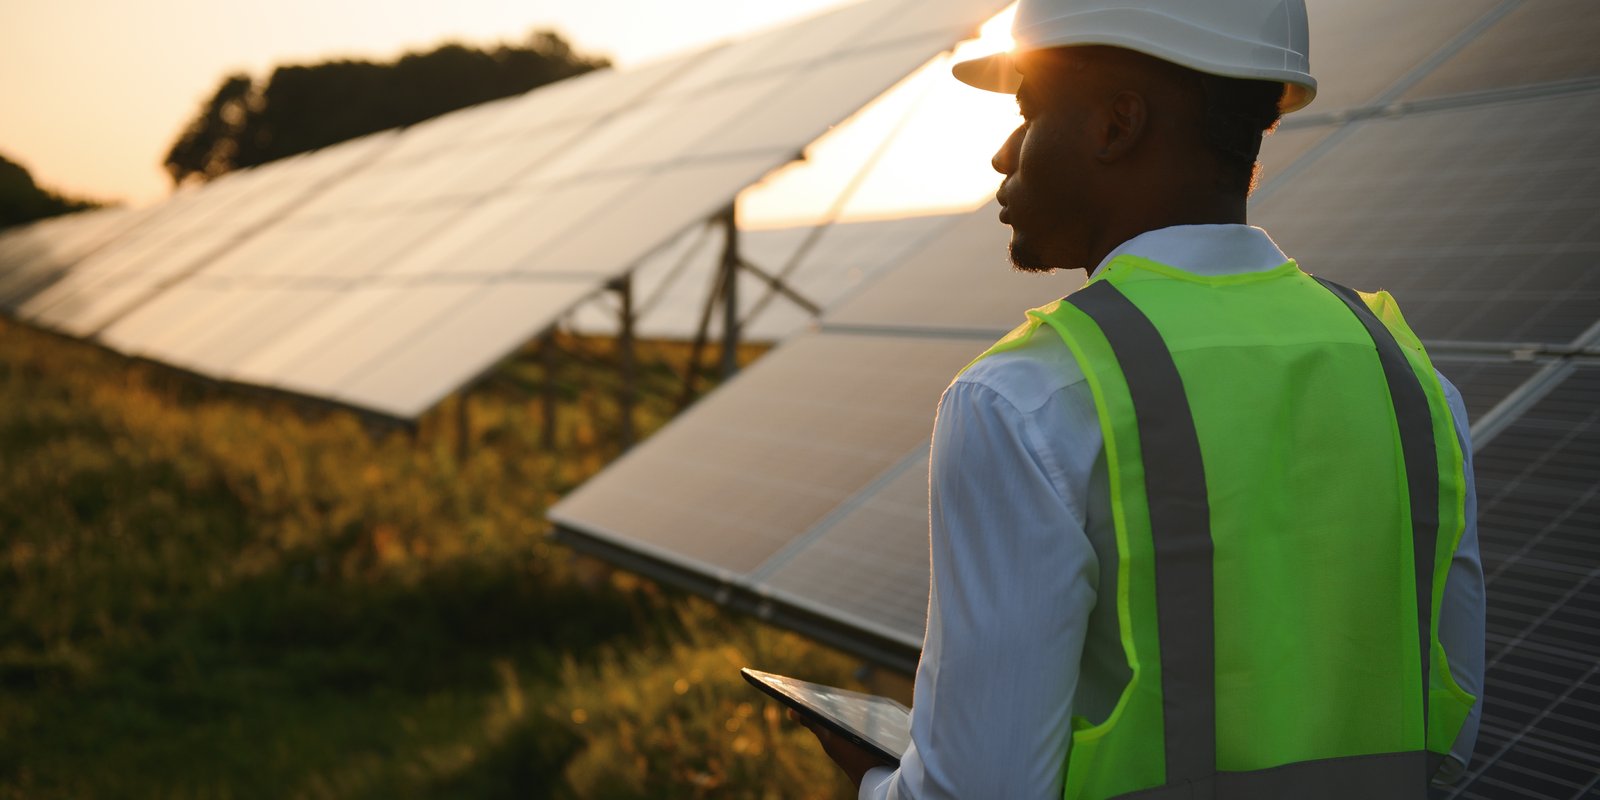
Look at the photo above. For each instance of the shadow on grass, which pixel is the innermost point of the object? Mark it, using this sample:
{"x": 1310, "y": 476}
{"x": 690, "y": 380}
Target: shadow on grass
{"x": 288, "y": 684}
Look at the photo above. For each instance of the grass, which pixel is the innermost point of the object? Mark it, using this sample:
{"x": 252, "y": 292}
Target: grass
{"x": 209, "y": 595}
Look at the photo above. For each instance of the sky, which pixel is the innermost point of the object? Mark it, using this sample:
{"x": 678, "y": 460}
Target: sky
{"x": 94, "y": 92}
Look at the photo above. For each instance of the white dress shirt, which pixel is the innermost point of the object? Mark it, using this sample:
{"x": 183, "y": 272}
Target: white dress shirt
{"x": 1016, "y": 641}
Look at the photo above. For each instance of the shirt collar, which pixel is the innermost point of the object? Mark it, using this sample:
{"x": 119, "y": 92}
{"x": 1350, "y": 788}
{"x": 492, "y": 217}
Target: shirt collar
{"x": 1203, "y": 249}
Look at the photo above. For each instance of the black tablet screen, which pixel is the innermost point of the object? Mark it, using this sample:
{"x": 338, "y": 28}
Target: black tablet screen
{"x": 876, "y": 721}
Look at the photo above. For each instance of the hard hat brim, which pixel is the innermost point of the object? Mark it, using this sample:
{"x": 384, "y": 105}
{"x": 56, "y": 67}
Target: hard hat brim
{"x": 998, "y": 73}
{"x": 992, "y": 73}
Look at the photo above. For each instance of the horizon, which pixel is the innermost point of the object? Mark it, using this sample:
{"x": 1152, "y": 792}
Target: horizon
{"x": 941, "y": 116}
{"x": 85, "y": 131}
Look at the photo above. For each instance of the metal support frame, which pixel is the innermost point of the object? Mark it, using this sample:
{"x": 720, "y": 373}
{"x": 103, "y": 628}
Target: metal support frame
{"x": 1524, "y": 397}
{"x": 463, "y": 427}
{"x": 547, "y": 389}
{"x": 730, "y": 291}
{"x": 777, "y": 284}
{"x": 627, "y": 363}
{"x": 725, "y": 276}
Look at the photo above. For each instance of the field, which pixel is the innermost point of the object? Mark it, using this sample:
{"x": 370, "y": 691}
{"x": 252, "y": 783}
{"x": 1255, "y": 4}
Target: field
{"x": 214, "y": 595}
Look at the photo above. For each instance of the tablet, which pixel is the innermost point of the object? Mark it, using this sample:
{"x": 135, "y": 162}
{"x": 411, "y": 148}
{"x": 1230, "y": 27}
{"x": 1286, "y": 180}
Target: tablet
{"x": 876, "y": 723}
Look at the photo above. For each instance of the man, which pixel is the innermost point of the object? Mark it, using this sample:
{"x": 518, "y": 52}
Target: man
{"x": 1188, "y": 525}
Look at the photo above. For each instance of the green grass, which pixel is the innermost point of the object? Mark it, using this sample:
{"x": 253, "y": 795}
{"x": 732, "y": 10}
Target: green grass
{"x": 213, "y": 595}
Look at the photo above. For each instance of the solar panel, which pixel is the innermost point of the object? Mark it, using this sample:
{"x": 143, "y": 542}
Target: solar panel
{"x": 670, "y": 288}
{"x": 879, "y": 531}
{"x": 1485, "y": 220}
{"x": 1484, "y": 382}
{"x": 959, "y": 281}
{"x": 809, "y": 425}
{"x": 1537, "y": 42}
{"x": 353, "y": 271}
{"x": 406, "y": 383}
{"x": 1360, "y": 48}
{"x": 182, "y": 234}
{"x": 611, "y": 234}
{"x": 38, "y": 255}
{"x": 829, "y": 90}
{"x": 1539, "y": 514}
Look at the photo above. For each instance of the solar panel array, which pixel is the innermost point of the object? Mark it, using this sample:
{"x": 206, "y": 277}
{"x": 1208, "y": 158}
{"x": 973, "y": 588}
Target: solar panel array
{"x": 1450, "y": 157}
{"x": 818, "y": 266}
{"x": 386, "y": 272}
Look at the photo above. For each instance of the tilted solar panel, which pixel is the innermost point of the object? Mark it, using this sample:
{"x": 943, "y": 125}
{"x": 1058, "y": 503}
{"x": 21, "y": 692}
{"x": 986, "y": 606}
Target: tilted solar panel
{"x": 348, "y": 274}
{"x": 39, "y": 255}
{"x": 1545, "y": 41}
{"x": 184, "y": 234}
{"x": 1484, "y": 221}
{"x": 1539, "y": 531}
{"x": 1362, "y": 48}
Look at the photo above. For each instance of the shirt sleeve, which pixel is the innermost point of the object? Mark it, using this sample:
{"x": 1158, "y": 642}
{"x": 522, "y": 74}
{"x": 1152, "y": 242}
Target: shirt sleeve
{"x": 1013, "y": 582}
{"x": 1462, "y": 608}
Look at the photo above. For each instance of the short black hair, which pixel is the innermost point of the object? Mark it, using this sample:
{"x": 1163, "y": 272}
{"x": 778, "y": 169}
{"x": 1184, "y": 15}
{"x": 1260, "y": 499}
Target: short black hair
{"x": 1236, "y": 113}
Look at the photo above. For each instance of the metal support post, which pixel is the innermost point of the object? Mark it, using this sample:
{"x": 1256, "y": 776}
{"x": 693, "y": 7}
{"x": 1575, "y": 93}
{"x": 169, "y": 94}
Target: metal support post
{"x": 627, "y": 394}
{"x": 730, "y": 292}
{"x": 691, "y": 373}
{"x": 463, "y": 428}
{"x": 547, "y": 394}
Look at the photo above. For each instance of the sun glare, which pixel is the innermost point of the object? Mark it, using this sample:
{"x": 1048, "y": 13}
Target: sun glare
{"x": 923, "y": 147}
{"x": 993, "y": 37}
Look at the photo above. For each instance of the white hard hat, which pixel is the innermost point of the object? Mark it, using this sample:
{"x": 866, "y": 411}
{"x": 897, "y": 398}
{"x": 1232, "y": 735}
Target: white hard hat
{"x": 1261, "y": 39}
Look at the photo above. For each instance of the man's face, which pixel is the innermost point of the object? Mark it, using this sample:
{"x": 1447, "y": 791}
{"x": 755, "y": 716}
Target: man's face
{"x": 1049, "y": 166}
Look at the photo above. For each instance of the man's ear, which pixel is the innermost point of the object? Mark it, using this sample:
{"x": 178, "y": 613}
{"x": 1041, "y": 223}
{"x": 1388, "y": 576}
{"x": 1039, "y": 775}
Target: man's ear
{"x": 1124, "y": 126}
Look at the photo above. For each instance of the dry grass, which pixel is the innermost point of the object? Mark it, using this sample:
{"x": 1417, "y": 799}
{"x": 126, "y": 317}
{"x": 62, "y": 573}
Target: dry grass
{"x": 212, "y": 595}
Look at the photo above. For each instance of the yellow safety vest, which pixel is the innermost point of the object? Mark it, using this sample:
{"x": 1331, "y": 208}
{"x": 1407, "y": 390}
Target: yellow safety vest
{"x": 1288, "y": 492}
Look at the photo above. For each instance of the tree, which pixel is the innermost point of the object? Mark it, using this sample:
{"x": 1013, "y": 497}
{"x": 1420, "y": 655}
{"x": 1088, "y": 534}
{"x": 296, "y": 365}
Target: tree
{"x": 305, "y": 107}
{"x": 22, "y": 200}
{"x": 210, "y": 145}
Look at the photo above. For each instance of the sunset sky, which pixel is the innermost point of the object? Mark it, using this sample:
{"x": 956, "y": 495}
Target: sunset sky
{"x": 94, "y": 92}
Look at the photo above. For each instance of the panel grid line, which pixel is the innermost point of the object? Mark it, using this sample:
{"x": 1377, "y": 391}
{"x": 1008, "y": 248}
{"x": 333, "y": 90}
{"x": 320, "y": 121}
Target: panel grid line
{"x": 1477, "y": 774}
{"x": 916, "y": 457}
{"x": 1550, "y": 612}
{"x": 1395, "y": 89}
{"x": 1552, "y": 742}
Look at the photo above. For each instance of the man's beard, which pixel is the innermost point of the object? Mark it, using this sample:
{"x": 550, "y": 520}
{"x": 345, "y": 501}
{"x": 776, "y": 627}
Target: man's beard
{"x": 1025, "y": 260}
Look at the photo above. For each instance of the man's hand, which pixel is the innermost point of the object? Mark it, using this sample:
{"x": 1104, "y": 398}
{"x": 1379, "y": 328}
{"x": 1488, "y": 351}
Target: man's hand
{"x": 854, "y": 760}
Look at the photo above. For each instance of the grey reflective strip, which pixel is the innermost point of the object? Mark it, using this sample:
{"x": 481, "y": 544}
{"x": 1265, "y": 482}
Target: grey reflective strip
{"x": 1180, "y": 525}
{"x": 1385, "y": 776}
{"x": 1422, "y": 465}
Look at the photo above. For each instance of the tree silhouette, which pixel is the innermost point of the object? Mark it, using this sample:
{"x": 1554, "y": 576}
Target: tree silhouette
{"x": 22, "y": 200}
{"x": 304, "y": 107}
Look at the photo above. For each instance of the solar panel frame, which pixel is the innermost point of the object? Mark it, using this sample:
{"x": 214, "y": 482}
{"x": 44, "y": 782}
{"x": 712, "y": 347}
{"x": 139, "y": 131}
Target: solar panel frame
{"x": 1535, "y": 42}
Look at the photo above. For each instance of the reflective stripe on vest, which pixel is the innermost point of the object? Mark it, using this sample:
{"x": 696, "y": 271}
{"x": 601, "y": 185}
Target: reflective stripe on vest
{"x": 1416, "y": 444}
{"x": 1180, "y": 526}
